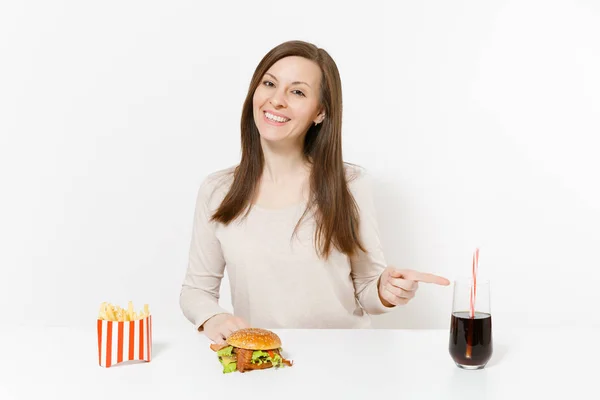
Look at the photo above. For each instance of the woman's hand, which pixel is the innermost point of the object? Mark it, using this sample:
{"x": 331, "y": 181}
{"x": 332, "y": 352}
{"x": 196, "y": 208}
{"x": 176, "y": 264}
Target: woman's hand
{"x": 399, "y": 286}
{"x": 219, "y": 327}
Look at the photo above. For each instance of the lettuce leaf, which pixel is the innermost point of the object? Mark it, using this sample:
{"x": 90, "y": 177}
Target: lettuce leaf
{"x": 231, "y": 367}
{"x": 276, "y": 361}
{"x": 229, "y": 363}
{"x": 227, "y": 359}
{"x": 225, "y": 351}
{"x": 259, "y": 357}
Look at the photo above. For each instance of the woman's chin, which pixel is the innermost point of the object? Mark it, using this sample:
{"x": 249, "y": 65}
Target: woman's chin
{"x": 273, "y": 137}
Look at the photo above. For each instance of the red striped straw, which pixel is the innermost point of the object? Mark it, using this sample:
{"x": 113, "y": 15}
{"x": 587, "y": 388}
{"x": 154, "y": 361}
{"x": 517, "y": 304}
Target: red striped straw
{"x": 473, "y": 297}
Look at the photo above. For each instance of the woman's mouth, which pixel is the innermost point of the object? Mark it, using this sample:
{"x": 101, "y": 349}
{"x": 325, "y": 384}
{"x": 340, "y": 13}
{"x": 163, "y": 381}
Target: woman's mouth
{"x": 275, "y": 119}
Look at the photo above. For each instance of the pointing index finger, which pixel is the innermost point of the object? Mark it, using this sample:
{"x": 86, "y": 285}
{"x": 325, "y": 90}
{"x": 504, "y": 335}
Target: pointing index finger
{"x": 431, "y": 278}
{"x": 416, "y": 276}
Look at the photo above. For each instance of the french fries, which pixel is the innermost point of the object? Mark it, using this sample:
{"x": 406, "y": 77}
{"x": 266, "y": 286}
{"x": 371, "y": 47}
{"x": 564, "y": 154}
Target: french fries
{"x": 111, "y": 312}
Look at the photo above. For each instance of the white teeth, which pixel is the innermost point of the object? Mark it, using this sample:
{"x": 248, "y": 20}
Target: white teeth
{"x": 276, "y": 118}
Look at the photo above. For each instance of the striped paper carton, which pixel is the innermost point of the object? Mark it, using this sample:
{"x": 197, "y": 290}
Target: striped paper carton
{"x": 124, "y": 341}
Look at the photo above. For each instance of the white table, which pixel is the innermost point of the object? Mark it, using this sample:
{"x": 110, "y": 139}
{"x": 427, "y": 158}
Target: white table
{"x": 62, "y": 363}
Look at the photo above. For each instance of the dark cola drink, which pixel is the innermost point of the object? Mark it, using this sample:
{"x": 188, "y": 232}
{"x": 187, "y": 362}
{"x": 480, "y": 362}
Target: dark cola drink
{"x": 471, "y": 344}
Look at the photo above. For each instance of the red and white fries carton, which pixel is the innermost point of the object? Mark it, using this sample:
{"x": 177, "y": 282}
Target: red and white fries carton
{"x": 124, "y": 341}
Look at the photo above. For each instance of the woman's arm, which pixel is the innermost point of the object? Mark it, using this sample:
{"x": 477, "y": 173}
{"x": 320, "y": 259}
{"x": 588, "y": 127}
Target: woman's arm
{"x": 199, "y": 294}
{"x": 367, "y": 267}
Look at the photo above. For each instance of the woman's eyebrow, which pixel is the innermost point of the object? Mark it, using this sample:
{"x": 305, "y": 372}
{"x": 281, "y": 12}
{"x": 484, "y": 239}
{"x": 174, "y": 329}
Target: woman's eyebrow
{"x": 293, "y": 83}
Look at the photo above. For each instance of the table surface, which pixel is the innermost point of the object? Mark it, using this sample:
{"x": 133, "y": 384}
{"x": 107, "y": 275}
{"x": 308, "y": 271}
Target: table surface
{"x": 62, "y": 363}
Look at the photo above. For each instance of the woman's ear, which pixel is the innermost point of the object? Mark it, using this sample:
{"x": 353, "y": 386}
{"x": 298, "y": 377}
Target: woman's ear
{"x": 320, "y": 117}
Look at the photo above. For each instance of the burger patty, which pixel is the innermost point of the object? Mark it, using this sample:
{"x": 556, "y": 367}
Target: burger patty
{"x": 244, "y": 358}
{"x": 244, "y": 361}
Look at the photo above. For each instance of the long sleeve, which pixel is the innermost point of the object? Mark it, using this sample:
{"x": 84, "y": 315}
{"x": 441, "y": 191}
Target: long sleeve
{"x": 367, "y": 267}
{"x": 199, "y": 294}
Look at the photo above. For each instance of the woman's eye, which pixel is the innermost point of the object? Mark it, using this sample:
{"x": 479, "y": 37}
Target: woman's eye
{"x": 298, "y": 92}
{"x": 268, "y": 83}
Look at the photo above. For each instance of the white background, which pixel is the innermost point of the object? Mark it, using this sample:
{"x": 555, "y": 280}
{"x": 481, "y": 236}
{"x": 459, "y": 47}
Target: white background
{"x": 479, "y": 122}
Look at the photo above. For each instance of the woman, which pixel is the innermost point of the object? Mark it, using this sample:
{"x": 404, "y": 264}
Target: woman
{"x": 294, "y": 225}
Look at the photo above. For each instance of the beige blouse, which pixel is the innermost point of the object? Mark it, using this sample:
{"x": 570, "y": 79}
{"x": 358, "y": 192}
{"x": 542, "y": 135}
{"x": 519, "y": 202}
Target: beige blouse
{"x": 276, "y": 279}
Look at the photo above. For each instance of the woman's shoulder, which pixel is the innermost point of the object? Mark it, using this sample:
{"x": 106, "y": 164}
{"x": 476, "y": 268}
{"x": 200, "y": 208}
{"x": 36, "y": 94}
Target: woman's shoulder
{"x": 219, "y": 178}
{"x": 215, "y": 185}
{"x": 358, "y": 177}
{"x": 360, "y": 183}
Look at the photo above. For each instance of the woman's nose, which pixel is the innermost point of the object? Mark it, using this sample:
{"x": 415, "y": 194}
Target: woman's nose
{"x": 278, "y": 99}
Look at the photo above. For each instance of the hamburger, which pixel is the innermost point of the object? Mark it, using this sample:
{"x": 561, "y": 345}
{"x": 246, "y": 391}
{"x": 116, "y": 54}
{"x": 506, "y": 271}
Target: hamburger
{"x": 249, "y": 349}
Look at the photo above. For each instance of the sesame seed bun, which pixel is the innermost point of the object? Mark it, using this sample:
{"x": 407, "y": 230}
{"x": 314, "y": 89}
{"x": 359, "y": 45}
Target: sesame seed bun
{"x": 254, "y": 339}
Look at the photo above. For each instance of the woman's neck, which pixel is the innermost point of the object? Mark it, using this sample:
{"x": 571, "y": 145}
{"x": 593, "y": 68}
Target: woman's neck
{"x": 283, "y": 163}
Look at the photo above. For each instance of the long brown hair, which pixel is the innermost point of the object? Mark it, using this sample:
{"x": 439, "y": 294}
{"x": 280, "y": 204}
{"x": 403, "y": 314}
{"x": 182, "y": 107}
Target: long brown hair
{"x": 336, "y": 213}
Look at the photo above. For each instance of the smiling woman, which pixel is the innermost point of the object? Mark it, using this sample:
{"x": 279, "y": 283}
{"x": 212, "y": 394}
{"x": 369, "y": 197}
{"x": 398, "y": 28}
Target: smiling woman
{"x": 293, "y": 223}
{"x": 280, "y": 100}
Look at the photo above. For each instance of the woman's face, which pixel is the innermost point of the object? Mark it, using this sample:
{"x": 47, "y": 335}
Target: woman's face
{"x": 286, "y": 101}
